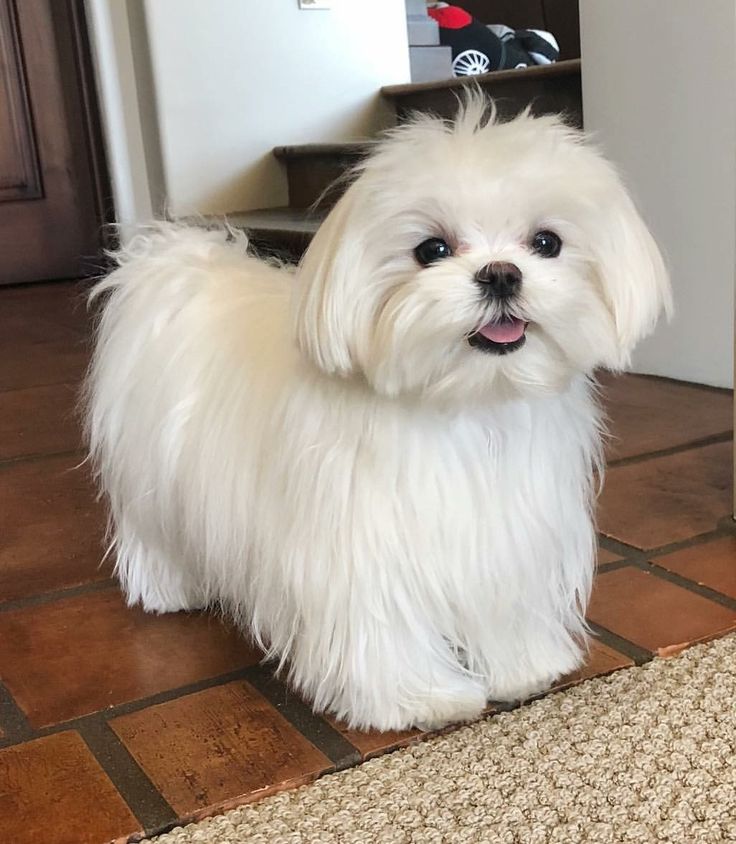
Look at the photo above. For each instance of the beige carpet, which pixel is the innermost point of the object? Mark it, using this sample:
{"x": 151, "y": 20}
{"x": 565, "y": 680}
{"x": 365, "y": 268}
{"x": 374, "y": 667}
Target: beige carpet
{"x": 645, "y": 755}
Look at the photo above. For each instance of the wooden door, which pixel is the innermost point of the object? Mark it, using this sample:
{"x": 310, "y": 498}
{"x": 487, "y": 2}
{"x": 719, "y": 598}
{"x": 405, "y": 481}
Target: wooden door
{"x": 52, "y": 176}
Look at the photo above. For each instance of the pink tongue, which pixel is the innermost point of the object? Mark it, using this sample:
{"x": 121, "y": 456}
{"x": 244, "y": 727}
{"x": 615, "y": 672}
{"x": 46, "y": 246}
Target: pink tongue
{"x": 503, "y": 332}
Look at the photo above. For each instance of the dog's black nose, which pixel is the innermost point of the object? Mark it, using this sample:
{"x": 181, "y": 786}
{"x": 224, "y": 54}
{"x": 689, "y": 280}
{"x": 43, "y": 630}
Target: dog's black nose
{"x": 499, "y": 278}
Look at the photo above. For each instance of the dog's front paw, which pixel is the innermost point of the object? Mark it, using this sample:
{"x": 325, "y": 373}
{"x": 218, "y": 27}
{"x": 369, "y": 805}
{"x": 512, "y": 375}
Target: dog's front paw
{"x": 440, "y": 710}
{"x": 523, "y": 688}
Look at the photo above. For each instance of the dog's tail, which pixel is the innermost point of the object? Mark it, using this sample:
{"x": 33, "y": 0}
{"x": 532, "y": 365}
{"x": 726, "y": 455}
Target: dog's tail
{"x": 164, "y": 246}
{"x": 167, "y": 310}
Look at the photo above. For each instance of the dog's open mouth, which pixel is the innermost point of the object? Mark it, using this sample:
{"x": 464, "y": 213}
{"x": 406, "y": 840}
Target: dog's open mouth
{"x": 500, "y": 336}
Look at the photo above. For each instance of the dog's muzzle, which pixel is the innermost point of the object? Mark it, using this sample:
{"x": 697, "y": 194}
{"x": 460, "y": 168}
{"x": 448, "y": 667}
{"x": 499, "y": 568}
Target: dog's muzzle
{"x": 499, "y": 281}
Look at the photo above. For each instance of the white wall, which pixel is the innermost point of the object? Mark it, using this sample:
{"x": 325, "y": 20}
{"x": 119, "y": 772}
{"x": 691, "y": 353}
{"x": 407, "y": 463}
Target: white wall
{"x": 234, "y": 78}
{"x": 659, "y": 88}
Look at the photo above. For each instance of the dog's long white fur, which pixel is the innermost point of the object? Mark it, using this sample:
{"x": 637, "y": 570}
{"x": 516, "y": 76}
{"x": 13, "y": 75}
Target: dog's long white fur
{"x": 402, "y": 520}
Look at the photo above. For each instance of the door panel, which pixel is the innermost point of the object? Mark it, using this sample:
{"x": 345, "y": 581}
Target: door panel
{"x": 50, "y": 202}
{"x": 19, "y": 174}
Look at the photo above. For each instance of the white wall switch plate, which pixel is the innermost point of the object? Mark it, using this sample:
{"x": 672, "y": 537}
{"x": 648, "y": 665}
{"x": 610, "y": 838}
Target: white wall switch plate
{"x": 315, "y": 4}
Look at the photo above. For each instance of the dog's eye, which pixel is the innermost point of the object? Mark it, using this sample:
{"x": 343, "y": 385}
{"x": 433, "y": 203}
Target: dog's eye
{"x": 546, "y": 244}
{"x": 429, "y": 251}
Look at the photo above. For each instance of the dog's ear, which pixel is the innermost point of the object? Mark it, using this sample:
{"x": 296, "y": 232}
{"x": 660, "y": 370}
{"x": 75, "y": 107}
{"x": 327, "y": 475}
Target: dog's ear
{"x": 323, "y": 315}
{"x": 632, "y": 272}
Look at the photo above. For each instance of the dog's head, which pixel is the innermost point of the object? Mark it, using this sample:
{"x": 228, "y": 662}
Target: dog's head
{"x": 479, "y": 256}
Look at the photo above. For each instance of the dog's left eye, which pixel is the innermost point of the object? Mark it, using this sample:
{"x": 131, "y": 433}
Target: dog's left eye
{"x": 546, "y": 244}
{"x": 434, "y": 249}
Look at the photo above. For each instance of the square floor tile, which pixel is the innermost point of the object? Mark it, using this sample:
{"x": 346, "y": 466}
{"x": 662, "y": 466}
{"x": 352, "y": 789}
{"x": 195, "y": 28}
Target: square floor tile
{"x": 39, "y": 420}
{"x": 44, "y": 335}
{"x": 711, "y": 564}
{"x": 37, "y": 364}
{"x": 220, "y": 746}
{"x": 40, "y": 313}
{"x": 51, "y": 527}
{"x": 651, "y": 414}
{"x": 667, "y": 499}
{"x": 78, "y": 655}
{"x": 53, "y": 791}
{"x": 654, "y": 613}
{"x": 373, "y": 742}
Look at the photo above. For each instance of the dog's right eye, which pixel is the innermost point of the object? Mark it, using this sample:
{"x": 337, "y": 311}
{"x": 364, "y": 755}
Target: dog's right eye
{"x": 432, "y": 250}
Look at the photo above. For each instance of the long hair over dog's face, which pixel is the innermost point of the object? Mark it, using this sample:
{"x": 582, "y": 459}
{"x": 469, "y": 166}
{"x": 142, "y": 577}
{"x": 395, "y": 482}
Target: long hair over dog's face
{"x": 476, "y": 258}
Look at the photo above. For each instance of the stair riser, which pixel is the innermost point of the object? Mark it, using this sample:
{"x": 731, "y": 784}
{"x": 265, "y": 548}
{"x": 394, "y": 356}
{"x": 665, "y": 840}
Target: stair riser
{"x": 311, "y": 179}
{"x": 286, "y": 246}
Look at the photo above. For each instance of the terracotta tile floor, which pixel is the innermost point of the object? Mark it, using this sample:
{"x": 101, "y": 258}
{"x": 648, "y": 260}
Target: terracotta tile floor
{"x": 113, "y": 722}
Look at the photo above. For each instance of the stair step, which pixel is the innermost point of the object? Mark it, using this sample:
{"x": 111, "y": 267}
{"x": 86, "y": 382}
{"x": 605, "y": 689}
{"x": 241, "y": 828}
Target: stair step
{"x": 550, "y": 89}
{"x": 354, "y": 149}
{"x": 283, "y": 232}
{"x": 311, "y": 170}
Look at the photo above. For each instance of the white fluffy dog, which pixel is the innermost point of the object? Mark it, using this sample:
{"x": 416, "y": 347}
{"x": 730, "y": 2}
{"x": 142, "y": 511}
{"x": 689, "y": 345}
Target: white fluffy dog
{"x": 381, "y": 462}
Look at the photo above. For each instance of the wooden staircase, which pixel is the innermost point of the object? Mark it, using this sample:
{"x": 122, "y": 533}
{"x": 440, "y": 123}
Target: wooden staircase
{"x": 314, "y": 171}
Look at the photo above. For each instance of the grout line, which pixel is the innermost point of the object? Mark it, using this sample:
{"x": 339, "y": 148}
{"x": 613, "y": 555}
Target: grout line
{"x": 131, "y": 781}
{"x": 40, "y": 286}
{"x": 713, "y": 439}
{"x": 318, "y": 731}
{"x": 690, "y": 542}
{"x": 614, "y": 565}
{"x": 12, "y": 720}
{"x": 58, "y": 595}
{"x": 690, "y": 585}
{"x": 646, "y": 561}
{"x": 616, "y": 547}
{"x": 631, "y": 649}
{"x": 130, "y": 706}
{"x": 21, "y": 387}
{"x": 9, "y": 462}
{"x": 74, "y": 385}
{"x": 254, "y": 674}
{"x": 631, "y": 552}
